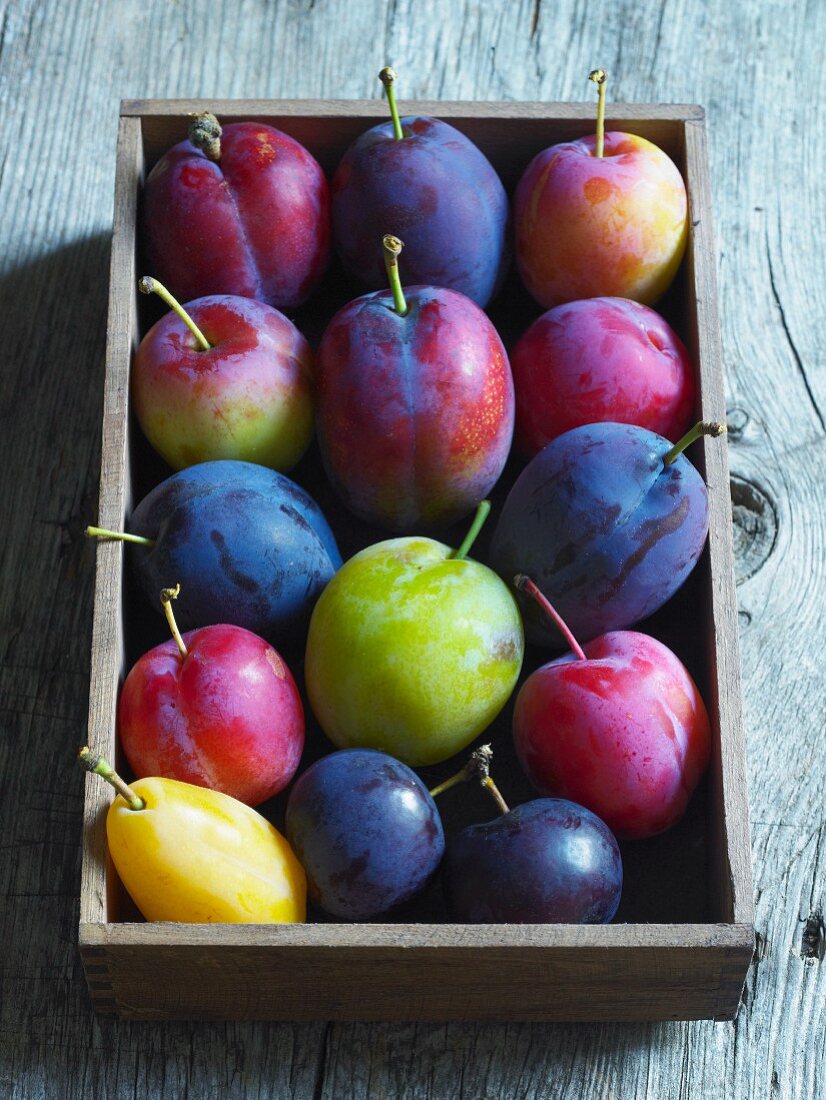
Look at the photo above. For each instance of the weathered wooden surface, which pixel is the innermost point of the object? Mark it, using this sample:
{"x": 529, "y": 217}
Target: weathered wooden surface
{"x": 63, "y": 67}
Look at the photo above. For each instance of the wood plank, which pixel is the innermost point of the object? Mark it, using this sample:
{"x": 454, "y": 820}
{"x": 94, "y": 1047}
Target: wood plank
{"x": 744, "y": 61}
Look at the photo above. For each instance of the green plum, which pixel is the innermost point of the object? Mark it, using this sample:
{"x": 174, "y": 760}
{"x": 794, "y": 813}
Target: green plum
{"x": 413, "y": 649}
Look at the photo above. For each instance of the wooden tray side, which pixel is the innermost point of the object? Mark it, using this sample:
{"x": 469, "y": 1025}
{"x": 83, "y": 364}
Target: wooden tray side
{"x": 731, "y": 848}
{"x": 421, "y": 971}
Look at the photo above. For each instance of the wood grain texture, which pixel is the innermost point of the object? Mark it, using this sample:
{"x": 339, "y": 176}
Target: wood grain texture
{"x": 64, "y": 69}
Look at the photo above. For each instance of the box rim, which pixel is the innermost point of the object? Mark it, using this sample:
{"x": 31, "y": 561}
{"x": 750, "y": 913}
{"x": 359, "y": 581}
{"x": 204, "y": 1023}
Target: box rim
{"x": 737, "y": 934}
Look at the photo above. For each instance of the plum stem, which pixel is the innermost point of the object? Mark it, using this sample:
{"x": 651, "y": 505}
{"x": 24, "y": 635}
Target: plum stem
{"x": 476, "y": 768}
{"x": 482, "y": 513}
{"x": 388, "y": 78}
{"x": 599, "y": 77}
{"x": 702, "y": 427}
{"x": 118, "y": 536}
{"x": 392, "y": 247}
{"x": 167, "y": 596}
{"x": 205, "y": 134}
{"x": 94, "y": 763}
{"x": 525, "y": 584}
{"x": 147, "y": 285}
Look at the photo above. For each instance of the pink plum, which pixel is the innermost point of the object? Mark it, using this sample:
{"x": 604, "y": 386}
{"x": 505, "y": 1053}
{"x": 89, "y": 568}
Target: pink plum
{"x": 243, "y": 209}
{"x": 589, "y": 226}
{"x": 600, "y": 359}
{"x": 248, "y": 397}
{"x": 618, "y": 726}
{"x": 227, "y": 715}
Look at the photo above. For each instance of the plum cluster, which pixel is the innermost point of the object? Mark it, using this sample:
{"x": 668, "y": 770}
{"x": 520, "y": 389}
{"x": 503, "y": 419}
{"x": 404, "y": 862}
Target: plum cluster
{"x": 410, "y": 648}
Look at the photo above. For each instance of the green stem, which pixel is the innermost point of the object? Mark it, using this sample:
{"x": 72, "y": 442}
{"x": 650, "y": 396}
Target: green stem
{"x": 702, "y": 427}
{"x": 167, "y": 596}
{"x": 482, "y": 513}
{"x": 525, "y": 584}
{"x": 599, "y": 77}
{"x": 152, "y": 286}
{"x": 93, "y": 763}
{"x": 392, "y": 247}
{"x": 388, "y": 78}
{"x": 119, "y": 536}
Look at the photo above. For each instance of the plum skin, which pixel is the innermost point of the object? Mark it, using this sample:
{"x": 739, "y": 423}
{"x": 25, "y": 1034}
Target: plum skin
{"x": 414, "y": 413}
{"x": 625, "y": 733}
{"x": 603, "y": 527}
{"x": 411, "y": 651}
{"x": 248, "y": 397}
{"x": 227, "y": 716}
{"x": 366, "y": 831}
{"x": 247, "y": 545}
{"x": 438, "y": 192}
{"x": 255, "y": 224}
{"x": 547, "y": 861}
{"x": 600, "y": 359}
{"x": 588, "y": 226}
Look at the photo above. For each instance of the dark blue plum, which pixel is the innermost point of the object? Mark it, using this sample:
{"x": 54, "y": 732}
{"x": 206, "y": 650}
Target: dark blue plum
{"x": 603, "y": 527}
{"x": 436, "y": 191}
{"x": 546, "y": 862}
{"x": 247, "y": 545}
{"x": 366, "y": 831}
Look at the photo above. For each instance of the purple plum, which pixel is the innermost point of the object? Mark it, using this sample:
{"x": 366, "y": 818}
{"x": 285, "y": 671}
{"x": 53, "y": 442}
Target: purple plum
{"x": 436, "y": 189}
{"x": 606, "y": 528}
{"x": 548, "y": 861}
{"x": 366, "y": 831}
{"x": 247, "y": 545}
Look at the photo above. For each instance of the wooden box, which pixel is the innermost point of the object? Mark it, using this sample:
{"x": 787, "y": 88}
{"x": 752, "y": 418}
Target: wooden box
{"x": 682, "y": 942}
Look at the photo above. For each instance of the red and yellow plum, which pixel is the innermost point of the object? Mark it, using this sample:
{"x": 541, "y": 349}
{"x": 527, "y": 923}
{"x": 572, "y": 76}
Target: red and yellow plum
{"x": 605, "y": 526}
{"x": 600, "y": 359}
{"x": 242, "y": 209}
{"x": 248, "y": 397}
{"x": 590, "y": 226}
{"x": 414, "y": 412}
{"x": 225, "y": 715}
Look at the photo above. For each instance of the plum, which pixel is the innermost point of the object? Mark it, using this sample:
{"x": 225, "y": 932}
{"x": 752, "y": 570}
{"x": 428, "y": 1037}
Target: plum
{"x": 434, "y": 187}
{"x": 366, "y": 831}
{"x": 605, "y": 214}
{"x": 247, "y": 545}
{"x": 618, "y": 725}
{"x": 414, "y": 406}
{"x": 241, "y": 209}
{"x": 609, "y": 520}
{"x": 549, "y": 861}
{"x": 600, "y": 359}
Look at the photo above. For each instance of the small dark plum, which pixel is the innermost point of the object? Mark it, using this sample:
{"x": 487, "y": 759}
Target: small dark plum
{"x": 242, "y": 209}
{"x": 547, "y": 861}
{"x": 425, "y": 180}
{"x": 609, "y": 520}
{"x": 247, "y": 545}
{"x": 366, "y": 831}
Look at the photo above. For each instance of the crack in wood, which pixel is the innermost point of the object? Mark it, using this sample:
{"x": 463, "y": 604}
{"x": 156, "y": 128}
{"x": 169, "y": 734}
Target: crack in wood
{"x": 789, "y": 339}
